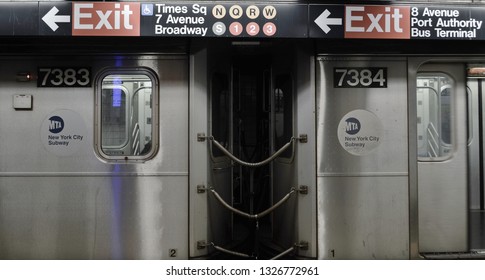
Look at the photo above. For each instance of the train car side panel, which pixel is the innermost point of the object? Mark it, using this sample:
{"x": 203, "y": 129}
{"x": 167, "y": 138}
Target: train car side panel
{"x": 73, "y": 204}
{"x": 362, "y": 159}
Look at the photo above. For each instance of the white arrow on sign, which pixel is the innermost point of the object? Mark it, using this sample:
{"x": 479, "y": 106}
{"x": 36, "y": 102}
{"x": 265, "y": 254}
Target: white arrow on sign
{"x": 51, "y": 18}
{"x": 323, "y": 21}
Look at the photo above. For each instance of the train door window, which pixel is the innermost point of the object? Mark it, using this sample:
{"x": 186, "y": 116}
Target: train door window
{"x": 126, "y": 118}
{"x": 283, "y": 104}
{"x": 434, "y": 108}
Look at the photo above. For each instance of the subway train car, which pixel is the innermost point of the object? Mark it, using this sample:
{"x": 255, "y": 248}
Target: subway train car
{"x": 235, "y": 130}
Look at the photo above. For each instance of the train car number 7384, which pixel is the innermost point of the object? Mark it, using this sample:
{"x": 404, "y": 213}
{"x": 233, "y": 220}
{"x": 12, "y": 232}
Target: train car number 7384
{"x": 360, "y": 77}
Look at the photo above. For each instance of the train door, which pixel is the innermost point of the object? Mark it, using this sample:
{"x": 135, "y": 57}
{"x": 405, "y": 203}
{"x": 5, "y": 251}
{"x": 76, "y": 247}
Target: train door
{"x": 362, "y": 163}
{"x": 442, "y": 158}
{"x": 256, "y": 195}
{"x": 476, "y": 177}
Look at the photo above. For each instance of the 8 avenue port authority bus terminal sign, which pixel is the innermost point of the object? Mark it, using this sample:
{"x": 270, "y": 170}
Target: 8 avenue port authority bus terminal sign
{"x": 241, "y": 19}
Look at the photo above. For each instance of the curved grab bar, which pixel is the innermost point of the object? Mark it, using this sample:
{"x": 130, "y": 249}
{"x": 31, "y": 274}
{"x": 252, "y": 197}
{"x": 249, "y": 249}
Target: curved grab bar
{"x": 250, "y": 164}
{"x": 255, "y": 216}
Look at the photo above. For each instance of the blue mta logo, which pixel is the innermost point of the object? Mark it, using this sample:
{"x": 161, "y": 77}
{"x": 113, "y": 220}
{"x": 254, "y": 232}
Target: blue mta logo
{"x": 352, "y": 126}
{"x": 56, "y": 125}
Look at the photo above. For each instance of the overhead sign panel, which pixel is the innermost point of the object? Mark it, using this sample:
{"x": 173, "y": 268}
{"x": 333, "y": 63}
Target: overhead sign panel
{"x": 224, "y": 20}
{"x": 18, "y": 19}
{"x": 238, "y": 19}
{"x": 172, "y": 19}
{"x": 397, "y": 22}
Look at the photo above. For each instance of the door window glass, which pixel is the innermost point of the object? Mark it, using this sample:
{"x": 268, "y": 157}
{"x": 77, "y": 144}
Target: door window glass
{"x": 434, "y": 120}
{"x": 125, "y": 114}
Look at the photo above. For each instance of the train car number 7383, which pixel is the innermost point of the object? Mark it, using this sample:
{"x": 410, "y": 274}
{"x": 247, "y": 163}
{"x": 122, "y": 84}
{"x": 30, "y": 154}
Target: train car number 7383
{"x": 63, "y": 77}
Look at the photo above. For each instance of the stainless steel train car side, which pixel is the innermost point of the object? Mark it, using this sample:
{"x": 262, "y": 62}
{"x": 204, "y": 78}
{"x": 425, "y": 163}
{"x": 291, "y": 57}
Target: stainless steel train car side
{"x": 362, "y": 171}
{"x": 391, "y": 153}
{"x": 164, "y": 156}
{"x": 76, "y": 201}
{"x": 423, "y": 197}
